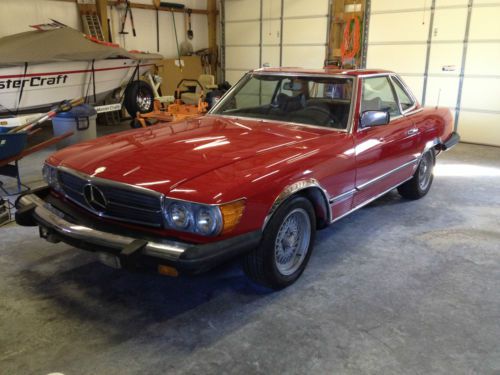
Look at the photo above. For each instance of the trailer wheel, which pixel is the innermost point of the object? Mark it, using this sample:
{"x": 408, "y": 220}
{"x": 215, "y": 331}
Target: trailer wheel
{"x": 139, "y": 97}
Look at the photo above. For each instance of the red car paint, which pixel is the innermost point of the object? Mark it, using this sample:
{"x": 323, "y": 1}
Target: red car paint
{"x": 217, "y": 159}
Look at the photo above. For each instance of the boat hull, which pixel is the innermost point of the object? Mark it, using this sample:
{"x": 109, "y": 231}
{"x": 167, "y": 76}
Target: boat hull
{"x": 42, "y": 85}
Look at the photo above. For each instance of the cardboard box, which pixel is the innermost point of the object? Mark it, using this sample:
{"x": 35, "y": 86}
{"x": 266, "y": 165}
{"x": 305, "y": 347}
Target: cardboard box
{"x": 172, "y": 72}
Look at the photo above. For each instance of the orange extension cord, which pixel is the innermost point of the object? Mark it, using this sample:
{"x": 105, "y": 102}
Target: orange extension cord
{"x": 347, "y": 49}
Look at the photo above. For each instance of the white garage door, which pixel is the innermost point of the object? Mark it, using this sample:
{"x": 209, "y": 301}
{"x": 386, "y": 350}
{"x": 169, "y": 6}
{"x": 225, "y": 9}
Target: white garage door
{"x": 446, "y": 50}
{"x": 274, "y": 33}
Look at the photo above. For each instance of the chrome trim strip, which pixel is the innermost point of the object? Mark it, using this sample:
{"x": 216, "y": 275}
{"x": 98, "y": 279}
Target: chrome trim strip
{"x": 54, "y": 219}
{"x": 376, "y": 179}
{"x": 368, "y": 201}
{"x": 342, "y": 196}
{"x": 289, "y": 190}
{"x": 111, "y": 183}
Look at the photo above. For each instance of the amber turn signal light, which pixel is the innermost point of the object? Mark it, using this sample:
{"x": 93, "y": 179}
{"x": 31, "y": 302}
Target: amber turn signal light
{"x": 231, "y": 214}
{"x": 167, "y": 270}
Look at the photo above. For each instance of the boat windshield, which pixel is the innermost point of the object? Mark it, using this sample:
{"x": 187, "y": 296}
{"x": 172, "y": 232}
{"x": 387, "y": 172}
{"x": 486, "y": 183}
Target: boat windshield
{"x": 321, "y": 101}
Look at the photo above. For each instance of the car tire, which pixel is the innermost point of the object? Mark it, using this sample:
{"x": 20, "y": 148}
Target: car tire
{"x": 286, "y": 245}
{"x": 420, "y": 184}
{"x": 139, "y": 97}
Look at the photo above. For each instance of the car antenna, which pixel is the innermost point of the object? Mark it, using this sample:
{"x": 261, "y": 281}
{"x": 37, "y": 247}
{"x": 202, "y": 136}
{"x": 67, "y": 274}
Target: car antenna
{"x": 439, "y": 97}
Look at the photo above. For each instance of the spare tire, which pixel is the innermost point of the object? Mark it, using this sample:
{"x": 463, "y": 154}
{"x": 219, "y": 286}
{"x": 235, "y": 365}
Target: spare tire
{"x": 139, "y": 97}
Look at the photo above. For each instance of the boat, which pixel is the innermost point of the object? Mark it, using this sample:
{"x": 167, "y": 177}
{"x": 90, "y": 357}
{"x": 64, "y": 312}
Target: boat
{"x": 43, "y": 67}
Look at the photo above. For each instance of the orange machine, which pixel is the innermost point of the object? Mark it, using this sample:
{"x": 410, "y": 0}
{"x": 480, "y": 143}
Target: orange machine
{"x": 176, "y": 111}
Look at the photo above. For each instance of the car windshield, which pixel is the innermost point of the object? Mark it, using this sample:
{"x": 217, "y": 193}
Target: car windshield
{"x": 321, "y": 101}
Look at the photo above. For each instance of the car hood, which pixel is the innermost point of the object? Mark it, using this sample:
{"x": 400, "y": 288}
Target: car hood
{"x": 164, "y": 156}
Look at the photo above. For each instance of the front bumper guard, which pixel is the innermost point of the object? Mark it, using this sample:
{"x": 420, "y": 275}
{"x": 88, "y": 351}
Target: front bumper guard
{"x": 54, "y": 226}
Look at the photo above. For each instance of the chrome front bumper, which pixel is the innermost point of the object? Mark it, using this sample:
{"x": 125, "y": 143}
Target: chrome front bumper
{"x": 49, "y": 217}
{"x": 60, "y": 224}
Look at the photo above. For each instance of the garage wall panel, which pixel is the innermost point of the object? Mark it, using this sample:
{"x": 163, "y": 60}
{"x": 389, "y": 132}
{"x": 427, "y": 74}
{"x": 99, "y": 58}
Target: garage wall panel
{"x": 398, "y": 40}
{"x": 399, "y": 27}
{"x": 445, "y": 54}
{"x": 295, "y": 56}
{"x": 442, "y": 91}
{"x": 410, "y": 58}
{"x": 253, "y": 36}
{"x": 301, "y": 8}
{"x": 479, "y": 127}
{"x": 394, "y": 6}
{"x": 270, "y": 55}
{"x": 481, "y": 93}
{"x": 245, "y": 58}
{"x": 243, "y": 33}
{"x": 238, "y": 10}
{"x": 483, "y": 58}
{"x": 449, "y": 24}
{"x": 299, "y": 31}
{"x": 485, "y": 23}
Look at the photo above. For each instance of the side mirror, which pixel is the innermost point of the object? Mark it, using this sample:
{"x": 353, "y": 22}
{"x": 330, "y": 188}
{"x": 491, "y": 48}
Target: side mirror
{"x": 374, "y": 118}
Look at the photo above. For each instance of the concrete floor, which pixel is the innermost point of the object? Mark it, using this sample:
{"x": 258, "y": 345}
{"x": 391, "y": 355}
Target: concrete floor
{"x": 398, "y": 287}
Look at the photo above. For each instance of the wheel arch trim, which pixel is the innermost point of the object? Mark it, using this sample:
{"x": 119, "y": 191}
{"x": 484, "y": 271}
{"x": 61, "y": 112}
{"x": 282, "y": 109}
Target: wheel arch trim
{"x": 297, "y": 187}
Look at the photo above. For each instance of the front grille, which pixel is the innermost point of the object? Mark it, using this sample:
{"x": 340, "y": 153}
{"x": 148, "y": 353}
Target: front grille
{"x": 123, "y": 202}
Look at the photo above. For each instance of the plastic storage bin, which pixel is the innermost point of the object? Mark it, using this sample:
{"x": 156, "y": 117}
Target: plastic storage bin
{"x": 80, "y": 120}
{"x": 11, "y": 144}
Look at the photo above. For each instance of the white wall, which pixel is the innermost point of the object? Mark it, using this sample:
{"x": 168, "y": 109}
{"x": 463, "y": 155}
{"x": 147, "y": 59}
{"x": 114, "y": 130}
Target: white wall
{"x": 17, "y": 15}
{"x": 398, "y": 40}
{"x": 305, "y": 25}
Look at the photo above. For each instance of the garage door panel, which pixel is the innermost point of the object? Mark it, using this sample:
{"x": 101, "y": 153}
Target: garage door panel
{"x": 446, "y": 3}
{"x": 271, "y": 32}
{"x": 271, "y": 8}
{"x": 399, "y": 58}
{"x": 301, "y": 8}
{"x": 442, "y": 91}
{"x": 309, "y": 30}
{"x": 306, "y": 57}
{"x": 271, "y": 56}
{"x": 445, "y": 55}
{"x": 242, "y": 57}
{"x": 243, "y": 33}
{"x": 408, "y": 26}
{"x": 233, "y": 76}
{"x": 449, "y": 24}
{"x": 391, "y": 5}
{"x": 237, "y": 10}
{"x": 485, "y": 23}
{"x": 483, "y": 128}
{"x": 481, "y": 93}
{"x": 483, "y": 58}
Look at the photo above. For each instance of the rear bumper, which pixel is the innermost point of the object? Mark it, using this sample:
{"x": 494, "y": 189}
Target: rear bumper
{"x": 133, "y": 251}
{"x": 450, "y": 142}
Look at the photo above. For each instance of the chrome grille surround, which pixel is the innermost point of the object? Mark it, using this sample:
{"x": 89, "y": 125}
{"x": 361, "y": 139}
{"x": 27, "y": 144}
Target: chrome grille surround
{"x": 127, "y": 203}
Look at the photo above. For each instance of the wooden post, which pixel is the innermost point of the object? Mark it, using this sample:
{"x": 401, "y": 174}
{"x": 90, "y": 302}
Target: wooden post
{"x": 102, "y": 11}
{"x": 212, "y": 34}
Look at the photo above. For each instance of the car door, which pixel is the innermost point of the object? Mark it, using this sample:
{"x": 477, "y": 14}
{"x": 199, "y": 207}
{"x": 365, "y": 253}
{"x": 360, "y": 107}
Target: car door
{"x": 384, "y": 153}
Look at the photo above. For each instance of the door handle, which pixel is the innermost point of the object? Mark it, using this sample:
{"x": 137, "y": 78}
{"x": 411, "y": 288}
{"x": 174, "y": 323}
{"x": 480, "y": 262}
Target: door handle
{"x": 412, "y": 131}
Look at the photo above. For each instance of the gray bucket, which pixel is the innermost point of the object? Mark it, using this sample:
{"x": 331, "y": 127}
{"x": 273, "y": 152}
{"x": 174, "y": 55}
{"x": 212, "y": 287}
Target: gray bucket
{"x": 80, "y": 120}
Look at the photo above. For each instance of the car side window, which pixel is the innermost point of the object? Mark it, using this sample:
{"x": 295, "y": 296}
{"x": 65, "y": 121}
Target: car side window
{"x": 404, "y": 99}
{"x": 377, "y": 95}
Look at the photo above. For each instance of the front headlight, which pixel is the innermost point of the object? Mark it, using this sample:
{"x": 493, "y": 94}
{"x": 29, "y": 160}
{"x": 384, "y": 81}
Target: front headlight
{"x": 50, "y": 177}
{"x": 192, "y": 217}
{"x": 179, "y": 215}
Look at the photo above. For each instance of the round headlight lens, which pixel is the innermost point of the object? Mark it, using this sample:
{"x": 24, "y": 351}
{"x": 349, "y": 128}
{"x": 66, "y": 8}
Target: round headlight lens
{"x": 205, "y": 221}
{"x": 179, "y": 215}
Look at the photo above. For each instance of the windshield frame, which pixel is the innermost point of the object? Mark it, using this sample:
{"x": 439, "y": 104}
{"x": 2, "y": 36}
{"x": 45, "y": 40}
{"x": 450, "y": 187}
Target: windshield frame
{"x": 250, "y": 74}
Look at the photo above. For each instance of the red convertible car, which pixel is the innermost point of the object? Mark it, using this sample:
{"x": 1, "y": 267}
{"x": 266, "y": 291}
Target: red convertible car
{"x": 285, "y": 152}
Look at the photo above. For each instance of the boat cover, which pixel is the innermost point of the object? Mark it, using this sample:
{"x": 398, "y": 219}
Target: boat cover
{"x": 64, "y": 44}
